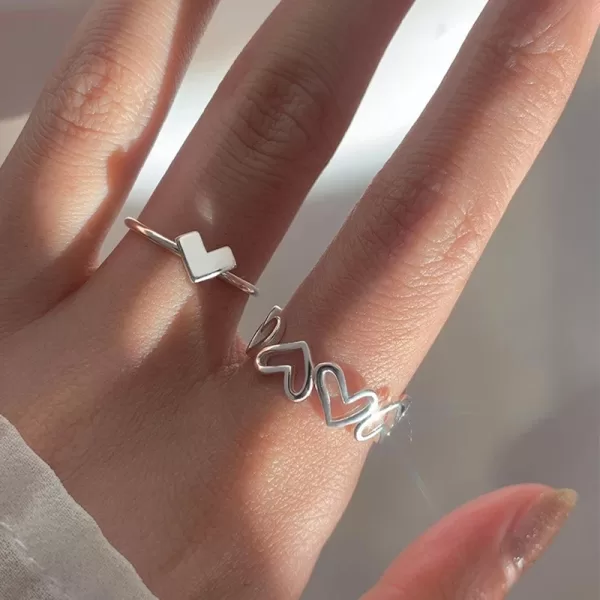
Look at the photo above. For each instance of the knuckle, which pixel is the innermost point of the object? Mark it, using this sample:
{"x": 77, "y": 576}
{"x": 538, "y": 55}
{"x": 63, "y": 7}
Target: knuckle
{"x": 427, "y": 220}
{"x": 537, "y": 48}
{"x": 282, "y": 119}
{"x": 97, "y": 95}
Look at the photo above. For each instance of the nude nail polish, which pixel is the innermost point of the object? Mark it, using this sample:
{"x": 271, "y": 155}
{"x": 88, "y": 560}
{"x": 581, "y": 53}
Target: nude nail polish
{"x": 533, "y": 533}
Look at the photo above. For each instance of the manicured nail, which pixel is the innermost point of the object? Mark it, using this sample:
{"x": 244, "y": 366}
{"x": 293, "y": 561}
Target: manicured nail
{"x": 533, "y": 533}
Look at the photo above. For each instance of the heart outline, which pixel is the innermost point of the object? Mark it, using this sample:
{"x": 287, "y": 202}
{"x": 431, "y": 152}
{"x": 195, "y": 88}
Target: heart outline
{"x": 358, "y": 416}
{"x": 274, "y": 337}
{"x": 359, "y": 433}
{"x": 261, "y": 362}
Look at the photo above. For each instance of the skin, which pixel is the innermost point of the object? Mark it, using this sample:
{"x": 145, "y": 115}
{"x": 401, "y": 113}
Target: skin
{"x": 132, "y": 384}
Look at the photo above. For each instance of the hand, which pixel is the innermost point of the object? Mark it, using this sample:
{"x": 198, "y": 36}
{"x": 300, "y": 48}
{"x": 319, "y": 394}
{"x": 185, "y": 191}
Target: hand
{"x": 131, "y": 383}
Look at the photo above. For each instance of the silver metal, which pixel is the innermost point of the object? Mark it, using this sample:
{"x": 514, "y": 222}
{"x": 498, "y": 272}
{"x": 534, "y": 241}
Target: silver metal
{"x": 371, "y": 418}
{"x": 358, "y": 415}
{"x": 377, "y": 424}
{"x": 270, "y": 331}
{"x": 262, "y": 364}
{"x": 200, "y": 264}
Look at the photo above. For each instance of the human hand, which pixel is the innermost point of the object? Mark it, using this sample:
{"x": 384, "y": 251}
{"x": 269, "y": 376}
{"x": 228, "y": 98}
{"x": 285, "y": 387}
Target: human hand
{"x": 131, "y": 383}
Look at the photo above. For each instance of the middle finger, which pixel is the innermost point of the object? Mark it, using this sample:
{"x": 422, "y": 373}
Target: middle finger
{"x": 270, "y": 130}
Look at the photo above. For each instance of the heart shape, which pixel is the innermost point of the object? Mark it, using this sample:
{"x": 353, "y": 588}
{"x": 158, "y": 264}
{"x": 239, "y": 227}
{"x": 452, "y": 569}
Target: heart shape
{"x": 270, "y": 331}
{"x": 362, "y": 413}
{"x": 200, "y": 264}
{"x": 262, "y": 364}
{"x": 376, "y": 425}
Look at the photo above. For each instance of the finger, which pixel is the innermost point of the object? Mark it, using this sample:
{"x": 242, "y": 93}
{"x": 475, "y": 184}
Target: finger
{"x": 390, "y": 279}
{"x": 481, "y": 550}
{"x": 378, "y": 298}
{"x": 268, "y": 133}
{"x": 82, "y": 148}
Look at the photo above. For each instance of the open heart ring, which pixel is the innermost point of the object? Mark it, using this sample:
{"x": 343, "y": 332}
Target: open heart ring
{"x": 364, "y": 410}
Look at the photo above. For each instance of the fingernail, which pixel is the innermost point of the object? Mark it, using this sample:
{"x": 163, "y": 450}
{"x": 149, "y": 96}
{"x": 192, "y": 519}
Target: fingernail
{"x": 534, "y": 532}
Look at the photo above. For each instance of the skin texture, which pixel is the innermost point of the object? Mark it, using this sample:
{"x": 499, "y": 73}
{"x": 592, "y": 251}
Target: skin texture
{"x": 131, "y": 383}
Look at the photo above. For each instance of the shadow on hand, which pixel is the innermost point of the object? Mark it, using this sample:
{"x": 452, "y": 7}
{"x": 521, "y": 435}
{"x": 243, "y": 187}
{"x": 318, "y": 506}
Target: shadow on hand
{"x": 573, "y": 460}
{"x": 30, "y": 43}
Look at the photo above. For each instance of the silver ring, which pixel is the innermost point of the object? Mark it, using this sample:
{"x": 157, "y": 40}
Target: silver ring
{"x": 200, "y": 264}
{"x": 363, "y": 410}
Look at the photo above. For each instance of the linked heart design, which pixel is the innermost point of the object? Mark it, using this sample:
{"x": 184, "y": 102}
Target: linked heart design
{"x": 270, "y": 331}
{"x": 379, "y": 424}
{"x": 266, "y": 354}
{"x": 362, "y": 409}
{"x": 365, "y": 408}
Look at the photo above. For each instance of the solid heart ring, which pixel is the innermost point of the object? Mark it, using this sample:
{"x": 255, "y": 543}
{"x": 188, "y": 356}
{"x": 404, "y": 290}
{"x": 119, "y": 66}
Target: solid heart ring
{"x": 363, "y": 410}
{"x": 200, "y": 264}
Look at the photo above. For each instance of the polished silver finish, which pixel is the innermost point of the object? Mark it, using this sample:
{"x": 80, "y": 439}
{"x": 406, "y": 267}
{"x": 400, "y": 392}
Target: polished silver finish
{"x": 358, "y": 415}
{"x": 200, "y": 264}
{"x": 153, "y": 236}
{"x": 380, "y": 424}
{"x": 262, "y": 364}
{"x": 270, "y": 331}
{"x": 372, "y": 419}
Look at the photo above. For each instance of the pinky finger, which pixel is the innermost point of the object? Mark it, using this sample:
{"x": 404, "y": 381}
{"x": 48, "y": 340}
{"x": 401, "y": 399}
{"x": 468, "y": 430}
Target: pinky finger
{"x": 481, "y": 550}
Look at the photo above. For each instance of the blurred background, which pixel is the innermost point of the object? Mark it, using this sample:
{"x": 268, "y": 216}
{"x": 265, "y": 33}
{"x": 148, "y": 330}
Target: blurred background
{"x": 511, "y": 391}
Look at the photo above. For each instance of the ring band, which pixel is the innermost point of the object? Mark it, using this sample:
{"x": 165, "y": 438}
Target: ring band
{"x": 365, "y": 411}
{"x": 200, "y": 264}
